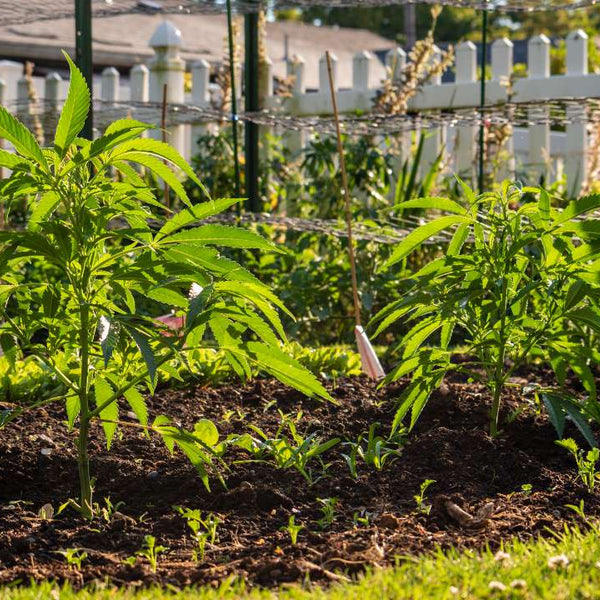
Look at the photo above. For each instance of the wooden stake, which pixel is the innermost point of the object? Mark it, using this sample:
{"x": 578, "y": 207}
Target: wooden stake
{"x": 346, "y": 191}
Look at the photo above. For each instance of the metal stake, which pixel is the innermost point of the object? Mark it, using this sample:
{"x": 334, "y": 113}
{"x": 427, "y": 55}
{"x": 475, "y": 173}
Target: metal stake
{"x": 234, "y": 116}
{"x": 83, "y": 54}
{"x": 482, "y": 103}
{"x": 252, "y": 105}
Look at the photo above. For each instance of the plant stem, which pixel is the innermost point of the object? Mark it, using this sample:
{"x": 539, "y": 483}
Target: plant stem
{"x": 83, "y": 460}
{"x": 495, "y": 412}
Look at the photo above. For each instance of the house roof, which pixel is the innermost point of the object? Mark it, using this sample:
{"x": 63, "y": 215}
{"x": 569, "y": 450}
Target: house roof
{"x": 122, "y": 40}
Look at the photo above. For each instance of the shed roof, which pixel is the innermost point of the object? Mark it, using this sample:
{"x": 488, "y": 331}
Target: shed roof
{"x": 122, "y": 40}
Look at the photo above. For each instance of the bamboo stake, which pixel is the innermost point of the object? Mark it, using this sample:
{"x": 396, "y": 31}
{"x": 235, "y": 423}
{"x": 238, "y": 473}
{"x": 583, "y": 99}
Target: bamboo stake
{"x": 370, "y": 363}
{"x": 346, "y": 191}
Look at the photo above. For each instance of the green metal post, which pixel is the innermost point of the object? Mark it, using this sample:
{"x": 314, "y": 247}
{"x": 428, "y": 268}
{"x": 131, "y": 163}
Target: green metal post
{"x": 234, "y": 112}
{"x": 83, "y": 53}
{"x": 482, "y": 103}
{"x": 252, "y": 105}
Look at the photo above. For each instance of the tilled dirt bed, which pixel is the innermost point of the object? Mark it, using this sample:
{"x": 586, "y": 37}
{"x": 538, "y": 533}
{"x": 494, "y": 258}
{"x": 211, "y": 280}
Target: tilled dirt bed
{"x": 472, "y": 472}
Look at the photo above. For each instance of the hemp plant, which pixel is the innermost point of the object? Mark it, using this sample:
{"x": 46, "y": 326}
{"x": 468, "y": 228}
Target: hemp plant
{"x": 518, "y": 281}
{"x": 116, "y": 254}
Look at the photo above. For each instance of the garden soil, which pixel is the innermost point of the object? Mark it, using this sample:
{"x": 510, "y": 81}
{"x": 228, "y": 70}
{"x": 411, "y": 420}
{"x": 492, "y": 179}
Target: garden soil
{"x": 477, "y": 499}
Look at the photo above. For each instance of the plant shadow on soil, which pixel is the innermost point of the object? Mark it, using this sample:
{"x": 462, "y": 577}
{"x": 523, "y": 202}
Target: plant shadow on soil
{"x": 449, "y": 445}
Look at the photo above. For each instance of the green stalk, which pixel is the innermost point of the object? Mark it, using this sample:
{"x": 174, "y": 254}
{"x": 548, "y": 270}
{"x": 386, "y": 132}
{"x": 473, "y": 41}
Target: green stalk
{"x": 83, "y": 460}
{"x": 498, "y": 375}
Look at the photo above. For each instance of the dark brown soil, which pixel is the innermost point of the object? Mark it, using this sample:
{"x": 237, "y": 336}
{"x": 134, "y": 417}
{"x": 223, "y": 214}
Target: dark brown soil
{"x": 449, "y": 445}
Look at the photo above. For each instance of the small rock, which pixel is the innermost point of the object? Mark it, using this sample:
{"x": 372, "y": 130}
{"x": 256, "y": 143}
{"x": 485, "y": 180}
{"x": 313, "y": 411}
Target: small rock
{"x": 388, "y": 521}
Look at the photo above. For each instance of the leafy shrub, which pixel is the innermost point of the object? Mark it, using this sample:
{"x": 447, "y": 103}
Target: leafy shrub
{"x": 519, "y": 281}
{"x": 110, "y": 246}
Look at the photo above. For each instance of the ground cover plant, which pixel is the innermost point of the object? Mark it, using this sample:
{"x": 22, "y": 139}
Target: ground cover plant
{"x": 108, "y": 244}
{"x": 518, "y": 284}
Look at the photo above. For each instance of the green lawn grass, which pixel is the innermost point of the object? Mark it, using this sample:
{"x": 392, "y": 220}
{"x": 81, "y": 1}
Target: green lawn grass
{"x": 567, "y": 567}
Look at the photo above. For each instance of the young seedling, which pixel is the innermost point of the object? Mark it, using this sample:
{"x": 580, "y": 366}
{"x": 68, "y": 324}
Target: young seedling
{"x": 526, "y": 489}
{"x": 517, "y": 280}
{"x": 422, "y": 507}
{"x": 376, "y": 453}
{"x": 288, "y": 448}
{"x": 578, "y": 510}
{"x": 328, "y": 511}
{"x": 74, "y": 557}
{"x": 586, "y": 462}
{"x": 113, "y": 257}
{"x": 204, "y": 529}
{"x": 150, "y": 551}
{"x": 293, "y": 529}
{"x": 107, "y": 511}
{"x": 361, "y": 518}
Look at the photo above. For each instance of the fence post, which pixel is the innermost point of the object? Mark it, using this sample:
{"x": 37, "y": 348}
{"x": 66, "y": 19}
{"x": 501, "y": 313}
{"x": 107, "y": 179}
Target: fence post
{"x": 539, "y": 134}
{"x": 109, "y": 87}
{"x": 138, "y": 78}
{"x": 294, "y": 139}
{"x": 435, "y": 137}
{"x": 168, "y": 68}
{"x": 324, "y": 79}
{"x": 51, "y": 101}
{"x": 395, "y": 61}
{"x": 24, "y": 104}
{"x": 502, "y": 68}
{"x": 576, "y": 167}
{"x": 466, "y": 136}
{"x": 200, "y": 98}
{"x": 361, "y": 65}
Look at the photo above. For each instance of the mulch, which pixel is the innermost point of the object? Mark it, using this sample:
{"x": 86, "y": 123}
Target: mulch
{"x": 473, "y": 473}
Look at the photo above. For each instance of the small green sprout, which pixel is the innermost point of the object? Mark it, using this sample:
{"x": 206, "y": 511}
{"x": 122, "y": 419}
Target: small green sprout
{"x": 422, "y": 507}
{"x": 586, "y": 462}
{"x": 526, "y": 489}
{"x": 328, "y": 511}
{"x": 293, "y": 529}
{"x": 75, "y": 557}
{"x": 578, "y": 509}
{"x": 361, "y": 518}
{"x": 150, "y": 551}
{"x": 204, "y": 529}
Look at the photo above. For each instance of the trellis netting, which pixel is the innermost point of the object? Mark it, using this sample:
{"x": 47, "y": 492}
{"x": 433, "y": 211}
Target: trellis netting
{"x": 14, "y": 12}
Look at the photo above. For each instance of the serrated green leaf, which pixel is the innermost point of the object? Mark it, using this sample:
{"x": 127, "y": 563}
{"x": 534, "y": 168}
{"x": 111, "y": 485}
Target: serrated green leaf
{"x": 433, "y": 203}
{"x": 160, "y": 169}
{"x": 141, "y": 341}
{"x": 110, "y": 414}
{"x": 43, "y": 209}
{"x": 163, "y": 150}
{"x": 196, "y": 213}
{"x": 12, "y": 130}
{"x": 220, "y": 235}
{"x": 73, "y": 406}
{"x": 138, "y": 405}
{"x": 415, "y": 238}
{"x": 287, "y": 370}
{"x": 74, "y": 112}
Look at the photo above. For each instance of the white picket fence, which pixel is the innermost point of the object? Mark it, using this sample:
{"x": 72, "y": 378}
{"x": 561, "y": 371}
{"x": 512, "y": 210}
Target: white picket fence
{"x": 535, "y": 149}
